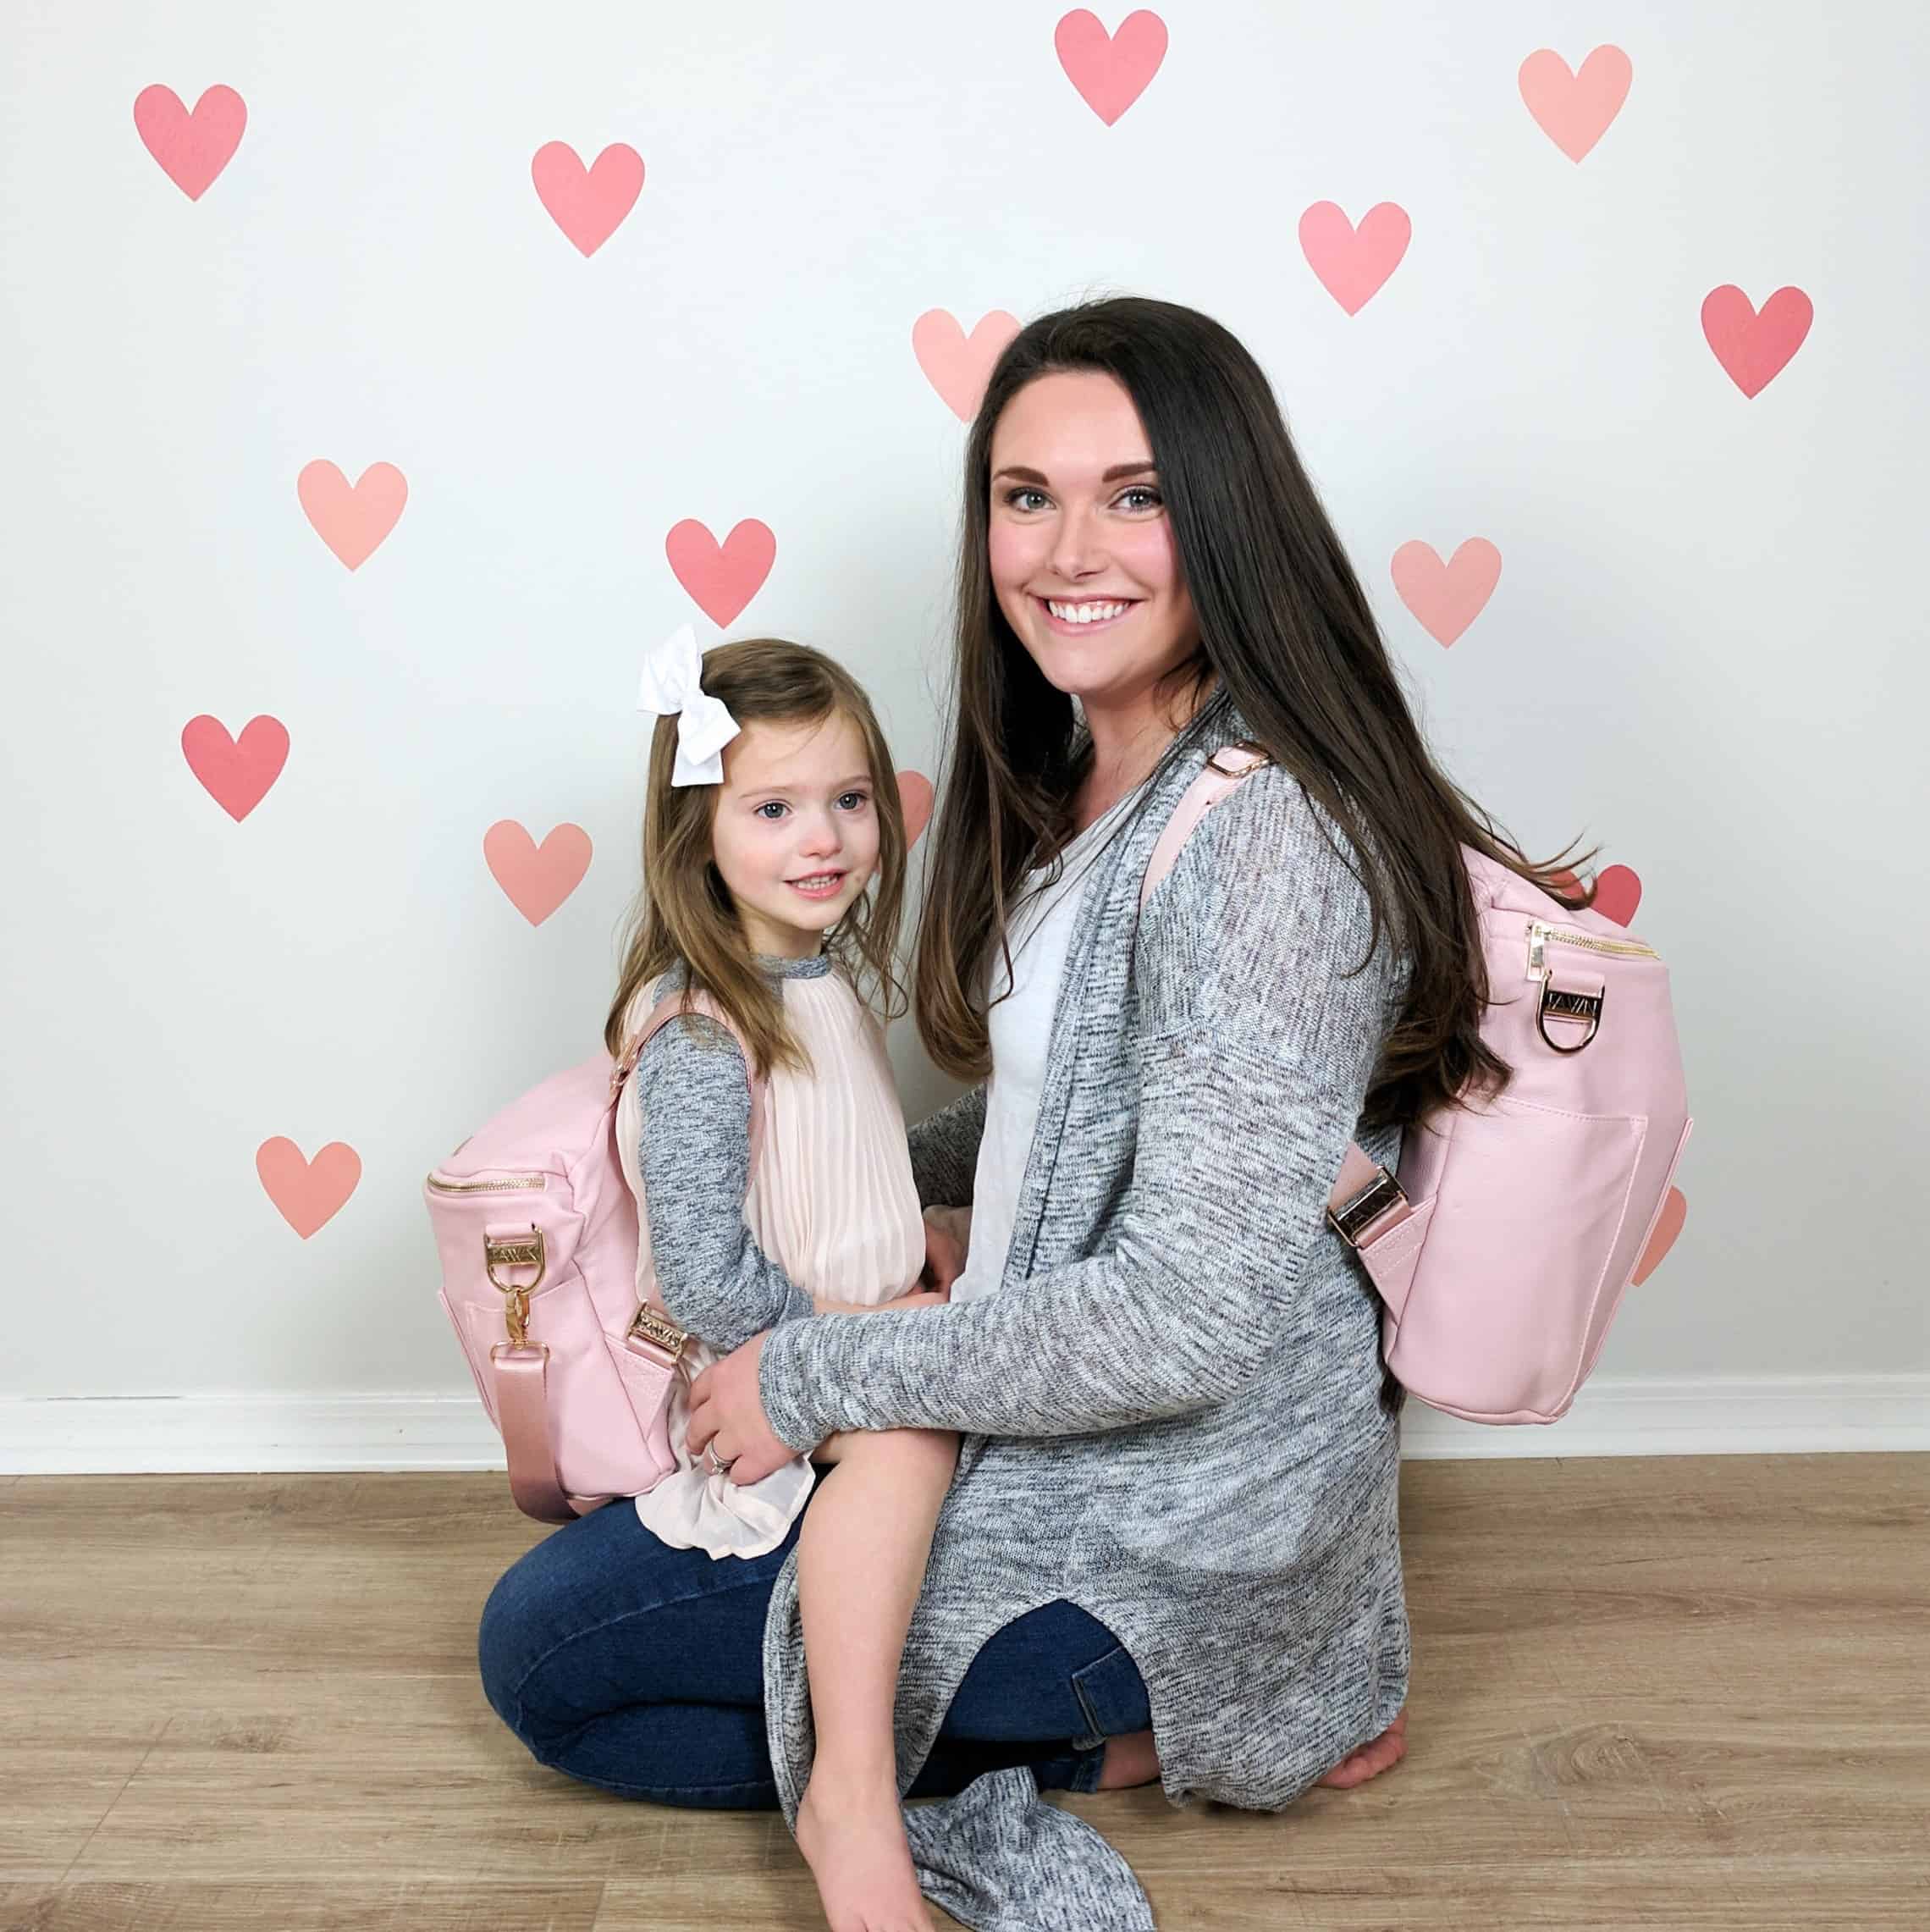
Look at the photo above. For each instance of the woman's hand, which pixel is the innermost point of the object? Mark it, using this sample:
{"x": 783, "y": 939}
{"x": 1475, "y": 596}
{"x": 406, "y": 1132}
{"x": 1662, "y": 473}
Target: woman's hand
{"x": 948, "y": 1235}
{"x": 727, "y": 1417}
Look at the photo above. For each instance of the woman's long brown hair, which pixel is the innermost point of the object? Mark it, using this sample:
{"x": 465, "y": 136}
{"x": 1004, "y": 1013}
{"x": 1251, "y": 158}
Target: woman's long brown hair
{"x": 1286, "y": 634}
{"x": 684, "y": 917}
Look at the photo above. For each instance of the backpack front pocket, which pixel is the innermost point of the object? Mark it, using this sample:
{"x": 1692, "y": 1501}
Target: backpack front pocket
{"x": 1513, "y": 1289}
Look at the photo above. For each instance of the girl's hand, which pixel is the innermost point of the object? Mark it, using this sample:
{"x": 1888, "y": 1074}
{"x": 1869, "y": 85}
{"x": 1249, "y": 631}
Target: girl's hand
{"x": 948, "y": 1234}
{"x": 726, "y": 1416}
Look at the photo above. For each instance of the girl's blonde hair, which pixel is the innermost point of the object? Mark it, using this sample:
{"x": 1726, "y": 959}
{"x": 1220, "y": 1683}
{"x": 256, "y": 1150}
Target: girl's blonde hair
{"x": 684, "y": 916}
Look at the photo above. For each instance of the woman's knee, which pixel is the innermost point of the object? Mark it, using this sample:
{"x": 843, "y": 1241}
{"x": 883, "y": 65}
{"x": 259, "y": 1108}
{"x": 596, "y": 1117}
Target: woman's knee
{"x": 511, "y": 1636}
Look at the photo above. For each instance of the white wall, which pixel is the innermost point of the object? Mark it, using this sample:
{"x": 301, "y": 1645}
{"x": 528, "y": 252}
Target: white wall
{"x": 1705, "y": 647}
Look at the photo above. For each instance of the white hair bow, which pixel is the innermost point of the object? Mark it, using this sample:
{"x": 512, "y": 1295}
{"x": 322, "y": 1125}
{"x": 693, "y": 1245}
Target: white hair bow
{"x": 672, "y": 686}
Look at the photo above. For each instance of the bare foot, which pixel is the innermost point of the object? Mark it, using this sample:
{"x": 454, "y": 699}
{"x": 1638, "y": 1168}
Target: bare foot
{"x": 855, "y": 1845}
{"x": 1379, "y": 1754}
{"x": 1130, "y": 1760}
{"x": 1135, "y": 1760}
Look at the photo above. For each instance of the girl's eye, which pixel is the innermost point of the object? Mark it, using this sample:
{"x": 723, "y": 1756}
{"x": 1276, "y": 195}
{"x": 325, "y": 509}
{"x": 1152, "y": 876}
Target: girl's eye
{"x": 771, "y": 808}
{"x": 855, "y": 801}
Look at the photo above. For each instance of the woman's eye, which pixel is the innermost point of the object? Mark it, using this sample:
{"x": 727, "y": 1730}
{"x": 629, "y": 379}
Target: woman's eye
{"x": 1152, "y": 496}
{"x": 855, "y": 801}
{"x": 1013, "y": 495}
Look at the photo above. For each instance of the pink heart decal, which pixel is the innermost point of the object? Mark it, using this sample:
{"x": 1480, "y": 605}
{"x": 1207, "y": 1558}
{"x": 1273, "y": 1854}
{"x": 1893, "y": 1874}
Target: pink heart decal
{"x": 1617, "y": 892}
{"x": 721, "y": 582}
{"x": 536, "y": 879}
{"x": 914, "y": 794}
{"x": 1352, "y": 263}
{"x": 307, "y": 1193}
{"x": 956, "y": 365}
{"x": 194, "y": 148}
{"x": 588, "y": 204}
{"x": 1752, "y": 348}
{"x": 1668, "y": 1225}
{"x": 1447, "y": 597}
{"x": 1110, "y": 71}
{"x": 235, "y": 773}
{"x": 352, "y": 521}
{"x": 1573, "y": 110}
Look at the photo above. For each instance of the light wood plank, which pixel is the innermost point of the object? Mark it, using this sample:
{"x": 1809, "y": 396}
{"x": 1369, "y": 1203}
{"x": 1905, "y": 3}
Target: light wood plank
{"x": 347, "y": 1904}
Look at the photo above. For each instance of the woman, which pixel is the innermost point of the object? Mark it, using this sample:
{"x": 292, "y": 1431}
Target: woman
{"x": 1175, "y": 1515}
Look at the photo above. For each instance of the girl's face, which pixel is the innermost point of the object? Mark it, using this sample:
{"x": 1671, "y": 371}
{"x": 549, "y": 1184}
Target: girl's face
{"x": 795, "y": 830}
{"x": 1082, "y": 555}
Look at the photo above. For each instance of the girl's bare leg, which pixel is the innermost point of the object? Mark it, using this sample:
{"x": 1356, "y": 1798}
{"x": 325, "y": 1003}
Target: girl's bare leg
{"x": 861, "y": 1561}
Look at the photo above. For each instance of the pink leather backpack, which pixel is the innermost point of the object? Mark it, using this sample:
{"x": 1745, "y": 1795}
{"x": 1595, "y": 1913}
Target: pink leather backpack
{"x": 1501, "y": 1248}
{"x": 536, "y": 1225}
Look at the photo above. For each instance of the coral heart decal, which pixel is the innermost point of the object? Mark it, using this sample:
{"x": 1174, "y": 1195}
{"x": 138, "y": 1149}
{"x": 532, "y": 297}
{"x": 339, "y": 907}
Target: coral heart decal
{"x": 1352, "y": 263}
{"x": 722, "y": 581}
{"x": 914, "y": 794}
{"x": 536, "y": 879}
{"x": 307, "y": 1193}
{"x": 956, "y": 365}
{"x": 235, "y": 773}
{"x": 1753, "y": 349}
{"x": 1573, "y": 110}
{"x": 1447, "y": 597}
{"x": 588, "y": 204}
{"x": 1617, "y": 892}
{"x": 352, "y": 521}
{"x": 194, "y": 148}
{"x": 1668, "y": 1225}
{"x": 1110, "y": 71}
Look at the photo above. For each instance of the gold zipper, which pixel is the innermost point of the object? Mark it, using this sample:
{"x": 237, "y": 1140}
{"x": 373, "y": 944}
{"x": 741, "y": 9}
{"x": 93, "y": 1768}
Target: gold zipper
{"x": 532, "y": 1184}
{"x": 1540, "y": 935}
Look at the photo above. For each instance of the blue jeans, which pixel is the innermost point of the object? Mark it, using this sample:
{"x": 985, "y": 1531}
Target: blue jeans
{"x": 640, "y": 1669}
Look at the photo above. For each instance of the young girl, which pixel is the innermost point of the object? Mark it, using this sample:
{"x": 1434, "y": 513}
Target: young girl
{"x": 773, "y": 860}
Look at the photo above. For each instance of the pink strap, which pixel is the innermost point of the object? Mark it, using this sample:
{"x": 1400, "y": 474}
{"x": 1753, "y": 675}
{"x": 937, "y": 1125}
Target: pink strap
{"x": 523, "y": 1413}
{"x": 660, "y": 1016}
{"x": 1224, "y": 770}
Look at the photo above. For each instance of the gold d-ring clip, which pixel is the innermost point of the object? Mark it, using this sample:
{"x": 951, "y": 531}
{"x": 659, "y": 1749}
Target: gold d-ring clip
{"x": 1563, "y": 1005}
{"x": 515, "y": 1251}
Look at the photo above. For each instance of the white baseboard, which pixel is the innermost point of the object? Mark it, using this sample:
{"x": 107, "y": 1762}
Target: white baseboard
{"x": 106, "y": 1435}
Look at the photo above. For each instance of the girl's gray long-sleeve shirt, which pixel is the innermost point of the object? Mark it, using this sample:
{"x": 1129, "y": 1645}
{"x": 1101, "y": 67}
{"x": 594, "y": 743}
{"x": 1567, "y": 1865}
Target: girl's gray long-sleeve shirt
{"x": 694, "y": 1100}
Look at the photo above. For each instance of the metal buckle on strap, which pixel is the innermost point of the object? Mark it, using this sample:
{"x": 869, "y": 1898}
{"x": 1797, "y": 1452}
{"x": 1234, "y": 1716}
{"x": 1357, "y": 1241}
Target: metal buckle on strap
{"x": 515, "y": 1251}
{"x": 659, "y": 1331}
{"x": 1257, "y": 755}
{"x": 1354, "y": 1217}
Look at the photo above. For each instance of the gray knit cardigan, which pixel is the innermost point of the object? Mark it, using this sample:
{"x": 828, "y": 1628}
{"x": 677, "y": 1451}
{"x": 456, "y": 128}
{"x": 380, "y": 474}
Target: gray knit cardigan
{"x": 1173, "y": 1410}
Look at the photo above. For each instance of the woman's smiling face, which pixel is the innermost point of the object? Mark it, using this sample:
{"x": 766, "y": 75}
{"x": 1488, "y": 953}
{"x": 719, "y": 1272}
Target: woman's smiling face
{"x": 1082, "y": 554}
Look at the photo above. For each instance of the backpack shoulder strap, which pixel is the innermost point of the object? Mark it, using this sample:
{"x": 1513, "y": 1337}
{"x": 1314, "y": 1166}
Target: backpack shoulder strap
{"x": 1224, "y": 770}
{"x": 1364, "y": 1196}
{"x": 660, "y": 1016}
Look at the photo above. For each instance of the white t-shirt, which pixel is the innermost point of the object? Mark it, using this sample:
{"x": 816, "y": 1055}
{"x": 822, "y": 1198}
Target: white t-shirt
{"x": 1021, "y": 1028}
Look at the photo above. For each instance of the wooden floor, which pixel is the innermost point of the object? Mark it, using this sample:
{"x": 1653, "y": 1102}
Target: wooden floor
{"x": 1682, "y": 1693}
